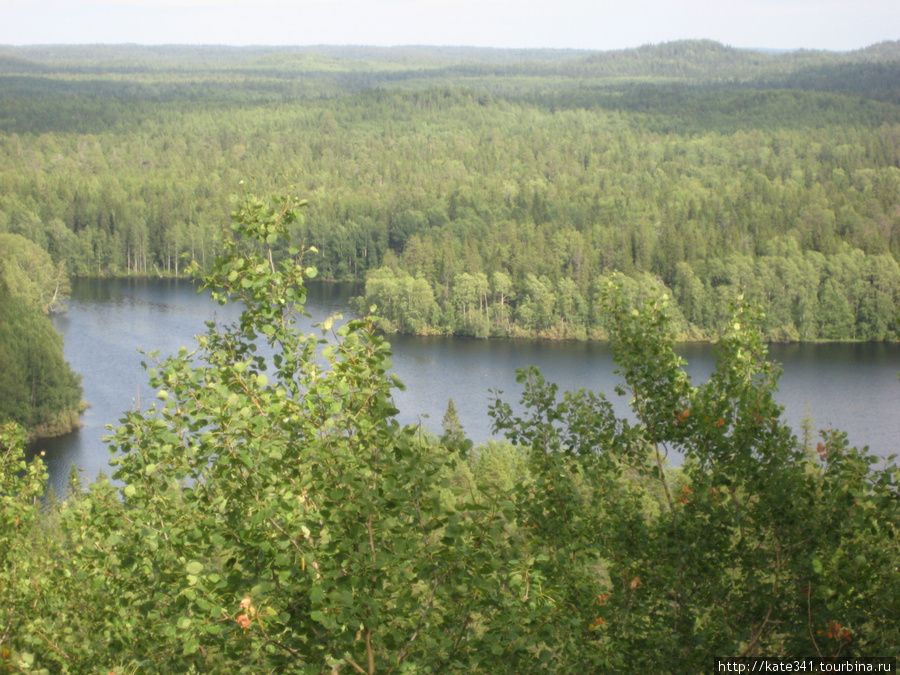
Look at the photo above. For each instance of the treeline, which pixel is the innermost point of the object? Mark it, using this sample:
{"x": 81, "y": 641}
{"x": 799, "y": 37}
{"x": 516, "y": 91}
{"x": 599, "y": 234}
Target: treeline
{"x": 553, "y": 169}
{"x": 804, "y": 296}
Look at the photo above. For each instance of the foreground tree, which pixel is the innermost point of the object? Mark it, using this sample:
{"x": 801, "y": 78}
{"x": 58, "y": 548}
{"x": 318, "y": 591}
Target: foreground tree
{"x": 752, "y": 548}
{"x": 275, "y": 516}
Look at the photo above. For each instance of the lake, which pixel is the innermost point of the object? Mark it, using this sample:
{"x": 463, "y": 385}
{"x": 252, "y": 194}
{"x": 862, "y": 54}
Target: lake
{"x": 853, "y": 387}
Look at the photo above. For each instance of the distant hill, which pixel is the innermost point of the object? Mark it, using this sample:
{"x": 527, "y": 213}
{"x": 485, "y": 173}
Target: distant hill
{"x": 691, "y": 59}
{"x": 18, "y": 64}
{"x": 674, "y": 79}
{"x": 883, "y": 51}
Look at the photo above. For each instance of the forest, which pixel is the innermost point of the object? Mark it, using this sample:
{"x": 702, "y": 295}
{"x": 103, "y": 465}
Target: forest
{"x": 271, "y": 514}
{"x": 38, "y": 389}
{"x": 482, "y": 192}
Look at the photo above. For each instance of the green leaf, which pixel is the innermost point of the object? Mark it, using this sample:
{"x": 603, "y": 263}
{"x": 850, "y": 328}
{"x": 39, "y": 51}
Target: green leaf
{"x": 194, "y": 567}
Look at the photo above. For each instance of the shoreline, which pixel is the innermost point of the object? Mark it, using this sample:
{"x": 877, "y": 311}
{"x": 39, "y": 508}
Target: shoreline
{"x": 64, "y": 423}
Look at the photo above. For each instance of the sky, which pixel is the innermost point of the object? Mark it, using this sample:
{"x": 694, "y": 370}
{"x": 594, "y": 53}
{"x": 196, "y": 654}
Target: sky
{"x": 837, "y": 25}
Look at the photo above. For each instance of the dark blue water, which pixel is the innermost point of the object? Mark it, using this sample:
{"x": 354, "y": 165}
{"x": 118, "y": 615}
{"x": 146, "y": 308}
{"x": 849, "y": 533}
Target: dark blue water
{"x": 853, "y": 387}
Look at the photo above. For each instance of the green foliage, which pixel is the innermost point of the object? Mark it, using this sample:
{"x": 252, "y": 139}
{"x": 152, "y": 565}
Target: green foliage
{"x": 275, "y": 516}
{"x": 58, "y": 615}
{"x": 454, "y": 433}
{"x": 28, "y": 273}
{"x": 37, "y": 388}
{"x": 270, "y": 514}
{"x": 733, "y": 560}
{"x": 21, "y": 487}
{"x": 436, "y": 173}
{"x": 806, "y": 296}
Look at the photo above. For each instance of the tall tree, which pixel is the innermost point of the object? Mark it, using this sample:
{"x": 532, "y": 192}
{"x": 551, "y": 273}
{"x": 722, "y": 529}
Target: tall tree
{"x": 452, "y": 428}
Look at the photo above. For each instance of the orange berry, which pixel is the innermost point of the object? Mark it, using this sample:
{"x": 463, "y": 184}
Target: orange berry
{"x": 243, "y": 621}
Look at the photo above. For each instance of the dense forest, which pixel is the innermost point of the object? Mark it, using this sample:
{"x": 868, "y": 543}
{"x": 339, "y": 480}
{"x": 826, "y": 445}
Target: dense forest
{"x": 38, "y": 389}
{"x": 482, "y": 192}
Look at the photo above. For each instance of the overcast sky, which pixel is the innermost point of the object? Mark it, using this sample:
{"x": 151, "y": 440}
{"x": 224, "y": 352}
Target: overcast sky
{"x": 584, "y": 24}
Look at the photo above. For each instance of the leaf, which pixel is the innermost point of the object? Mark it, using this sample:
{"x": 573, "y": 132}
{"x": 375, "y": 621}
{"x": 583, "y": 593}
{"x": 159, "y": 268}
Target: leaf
{"x": 194, "y": 567}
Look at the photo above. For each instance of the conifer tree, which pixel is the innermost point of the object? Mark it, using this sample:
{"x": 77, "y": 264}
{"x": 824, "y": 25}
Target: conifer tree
{"x": 451, "y": 426}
